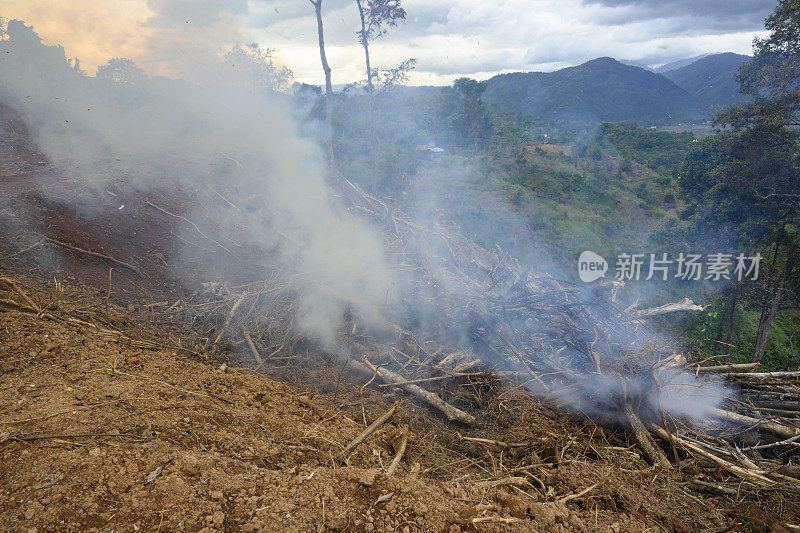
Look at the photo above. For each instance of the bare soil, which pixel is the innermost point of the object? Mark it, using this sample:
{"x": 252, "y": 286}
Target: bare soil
{"x": 99, "y": 435}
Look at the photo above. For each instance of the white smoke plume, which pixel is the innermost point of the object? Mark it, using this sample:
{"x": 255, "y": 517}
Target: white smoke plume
{"x": 97, "y": 127}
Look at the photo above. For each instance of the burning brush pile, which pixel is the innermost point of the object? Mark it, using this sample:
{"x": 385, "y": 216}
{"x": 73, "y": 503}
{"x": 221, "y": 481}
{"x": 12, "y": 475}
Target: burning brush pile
{"x": 477, "y": 312}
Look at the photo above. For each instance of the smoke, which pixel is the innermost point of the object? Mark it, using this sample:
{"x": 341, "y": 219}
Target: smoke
{"x": 100, "y": 128}
{"x": 219, "y": 131}
{"x": 636, "y": 364}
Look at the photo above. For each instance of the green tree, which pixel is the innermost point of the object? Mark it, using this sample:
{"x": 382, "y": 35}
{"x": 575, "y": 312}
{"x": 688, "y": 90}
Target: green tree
{"x": 469, "y": 117}
{"x": 746, "y": 180}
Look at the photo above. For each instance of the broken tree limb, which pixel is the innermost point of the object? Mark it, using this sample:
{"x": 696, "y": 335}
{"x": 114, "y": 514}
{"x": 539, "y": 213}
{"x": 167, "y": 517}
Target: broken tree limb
{"x": 786, "y": 405}
{"x": 495, "y": 520}
{"x": 154, "y": 206}
{"x": 684, "y": 306}
{"x": 31, "y": 247}
{"x": 11, "y": 305}
{"x": 128, "y": 266}
{"x": 229, "y": 318}
{"x": 512, "y": 480}
{"x": 706, "y": 486}
{"x": 585, "y": 491}
{"x": 452, "y": 413}
{"x": 364, "y": 435}
{"x": 652, "y": 454}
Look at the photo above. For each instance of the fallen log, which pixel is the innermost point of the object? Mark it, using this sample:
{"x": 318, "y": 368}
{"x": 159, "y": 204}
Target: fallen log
{"x": 766, "y": 425}
{"x": 725, "y": 369}
{"x": 782, "y": 405}
{"x": 758, "y": 395}
{"x": 782, "y": 413}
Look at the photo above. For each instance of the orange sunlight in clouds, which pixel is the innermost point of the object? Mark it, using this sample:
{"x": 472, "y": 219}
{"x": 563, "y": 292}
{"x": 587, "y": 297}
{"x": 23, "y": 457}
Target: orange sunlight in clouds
{"x": 94, "y": 31}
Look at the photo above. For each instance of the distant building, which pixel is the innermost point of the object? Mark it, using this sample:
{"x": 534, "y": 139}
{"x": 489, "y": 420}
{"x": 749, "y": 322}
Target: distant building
{"x": 427, "y": 149}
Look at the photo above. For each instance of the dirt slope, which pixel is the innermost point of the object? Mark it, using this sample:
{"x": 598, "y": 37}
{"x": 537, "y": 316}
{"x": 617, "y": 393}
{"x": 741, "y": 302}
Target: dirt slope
{"x": 97, "y": 435}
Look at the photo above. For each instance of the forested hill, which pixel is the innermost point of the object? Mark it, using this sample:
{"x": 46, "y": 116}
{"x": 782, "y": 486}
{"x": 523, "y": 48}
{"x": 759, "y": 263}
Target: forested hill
{"x": 606, "y": 90}
{"x": 600, "y": 90}
{"x": 710, "y": 79}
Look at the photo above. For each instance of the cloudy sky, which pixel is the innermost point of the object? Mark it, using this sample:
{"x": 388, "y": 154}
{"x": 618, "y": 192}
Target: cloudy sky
{"x": 450, "y": 38}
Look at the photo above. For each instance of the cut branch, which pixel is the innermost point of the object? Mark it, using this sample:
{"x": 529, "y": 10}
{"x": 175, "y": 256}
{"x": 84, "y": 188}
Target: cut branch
{"x": 754, "y": 476}
{"x": 9, "y": 283}
{"x": 452, "y": 413}
{"x": 117, "y": 262}
{"x": 364, "y": 435}
{"x": 252, "y": 346}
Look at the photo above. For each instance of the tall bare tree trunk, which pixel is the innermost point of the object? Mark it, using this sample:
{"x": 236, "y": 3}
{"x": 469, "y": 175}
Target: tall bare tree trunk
{"x": 768, "y": 318}
{"x": 364, "y": 37}
{"x": 328, "y": 85}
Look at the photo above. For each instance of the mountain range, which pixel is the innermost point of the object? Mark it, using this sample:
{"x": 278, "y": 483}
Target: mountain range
{"x": 605, "y": 89}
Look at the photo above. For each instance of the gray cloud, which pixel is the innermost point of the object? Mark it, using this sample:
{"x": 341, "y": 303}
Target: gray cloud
{"x": 178, "y": 13}
{"x": 688, "y": 15}
{"x": 716, "y": 8}
{"x": 475, "y": 38}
